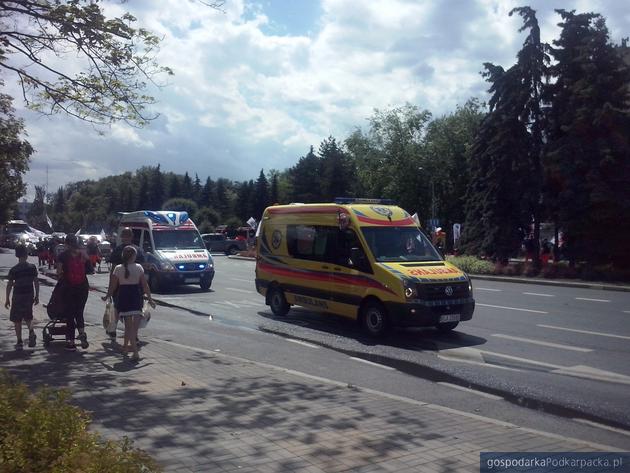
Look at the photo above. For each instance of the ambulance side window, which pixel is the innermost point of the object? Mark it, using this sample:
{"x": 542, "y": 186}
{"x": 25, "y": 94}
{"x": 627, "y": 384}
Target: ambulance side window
{"x": 137, "y": 233}
{"x": 317, "y": 243}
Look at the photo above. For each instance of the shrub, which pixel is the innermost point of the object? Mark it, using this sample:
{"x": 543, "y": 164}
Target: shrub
{"x": 472, "y": 264}
{"x": 44, "y": 433}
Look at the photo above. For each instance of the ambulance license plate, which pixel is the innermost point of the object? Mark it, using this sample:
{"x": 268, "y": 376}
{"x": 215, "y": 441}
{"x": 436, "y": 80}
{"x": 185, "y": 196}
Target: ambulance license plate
{"x": 449, "y": 318}
{"x": 195, "y": 280}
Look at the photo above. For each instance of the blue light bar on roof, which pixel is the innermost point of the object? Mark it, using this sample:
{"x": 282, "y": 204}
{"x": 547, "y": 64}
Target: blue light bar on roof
{"x": 361, "y": 200}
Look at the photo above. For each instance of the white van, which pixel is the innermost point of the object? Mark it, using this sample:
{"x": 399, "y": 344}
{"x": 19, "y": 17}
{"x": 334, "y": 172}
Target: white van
{"x": 174, "y": 250}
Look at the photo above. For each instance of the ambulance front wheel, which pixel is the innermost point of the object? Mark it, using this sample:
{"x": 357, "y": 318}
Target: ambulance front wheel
{"x": 374, "y": 319}
{"x": 279, "y": 305}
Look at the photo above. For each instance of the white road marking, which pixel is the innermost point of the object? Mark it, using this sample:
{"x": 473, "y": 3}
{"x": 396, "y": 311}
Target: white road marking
{"x": 582, "y": 371}
{"x": 588, "y": 332}
{"x": 540, "y": 342}
{"x": 591, "y": 300}
{"x": 244, "y": 291}
{"x": 538, "y": 294}
{"x": 626, "y": 311}
{"x": 472, "y": 391}
{"x": 232, "y": 304}
{"x": 242, "y": 280}
{"x": 487, "y": 289}
{"x": 371, "y": 363}
{"x": 210, "y": 318}
{"x": 300, "y": 342}
{"x": 470, "y": 356}
{"x": 513, "y": 308}
{"x": 602, "y": 426}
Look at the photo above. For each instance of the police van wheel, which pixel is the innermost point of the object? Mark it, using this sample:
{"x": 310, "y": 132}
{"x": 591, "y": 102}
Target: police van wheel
{"x": 277, "y": 302}
{"x": 374, "y": 319}
{"x": 446, "y": 326}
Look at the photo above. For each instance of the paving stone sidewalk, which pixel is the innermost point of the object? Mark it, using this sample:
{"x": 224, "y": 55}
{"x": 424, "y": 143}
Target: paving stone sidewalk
{"x": 203, "y": 411}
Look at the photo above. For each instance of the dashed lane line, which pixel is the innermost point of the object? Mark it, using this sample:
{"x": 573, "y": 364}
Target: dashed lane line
{"x": 591, "y": 300}
{"x": 488, "y": 289}
{"x": 300, "y": 342}
{"x": 588, "y": 332}
{"x": 472, "y": 391}
{"x": 513, "y": 308}
{"x": 243, "y": 291}
{"x": 372, "y": 363}
{"x": 541, "y": 343}
{"x": 242, "y": 280}
{"x": 538, "y": 294}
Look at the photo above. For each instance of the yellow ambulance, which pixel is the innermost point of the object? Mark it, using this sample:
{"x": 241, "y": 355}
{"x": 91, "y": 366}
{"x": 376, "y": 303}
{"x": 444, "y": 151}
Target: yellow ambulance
{"x": 364, "y": 259}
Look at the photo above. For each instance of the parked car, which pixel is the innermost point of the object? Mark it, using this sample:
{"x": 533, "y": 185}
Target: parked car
{"x": 219, "y": 242}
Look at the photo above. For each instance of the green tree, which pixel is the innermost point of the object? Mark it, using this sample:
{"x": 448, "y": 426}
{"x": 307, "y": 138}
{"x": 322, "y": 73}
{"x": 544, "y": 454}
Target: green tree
{"x": 174, "y": 186}
{"x": 337, "y": 171}
{"x": 36, "y": 214}
{"x": 261, "y": 195}
{"x": 196, "y": 189}
{"x": 182, "y": 205}
{"x": 587, "y": 156}
{"x": 245, "y": 200}
{"x": 155, "y": 187}
{"x": 305, "y": 179}
{"x": 207, "y": 197}
{"x": 223, "y": 197}
{"x": 274, "y": 187}
{"x": 119, "y": 60}
{"x": 187, "y": 189}
{"x": 15, "y": 153}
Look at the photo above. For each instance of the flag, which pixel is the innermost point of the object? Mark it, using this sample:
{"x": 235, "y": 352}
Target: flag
{"x": 78, "y": 232}
{"x": 103, "y": 235}
{"x": 252, "y": 222}
{"x": 48, "y": 221}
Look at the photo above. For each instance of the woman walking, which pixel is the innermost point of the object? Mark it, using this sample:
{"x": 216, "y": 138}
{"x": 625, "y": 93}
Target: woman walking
{"x": 128, "y": 278}
{"x": 71, "y": 270}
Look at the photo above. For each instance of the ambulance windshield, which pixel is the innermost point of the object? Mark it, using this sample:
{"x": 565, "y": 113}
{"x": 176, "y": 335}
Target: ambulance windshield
{"x": 177, "y": 240}
{"x": 393, "y": 244}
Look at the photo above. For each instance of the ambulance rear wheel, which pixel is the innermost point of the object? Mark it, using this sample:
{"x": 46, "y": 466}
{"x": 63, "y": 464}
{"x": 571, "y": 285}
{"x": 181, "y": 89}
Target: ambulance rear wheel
{"x": 277, "y": 302}
{"x": 374, "y": 319}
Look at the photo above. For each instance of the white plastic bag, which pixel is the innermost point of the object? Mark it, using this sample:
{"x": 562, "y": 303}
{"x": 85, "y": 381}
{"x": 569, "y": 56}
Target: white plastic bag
{"x": 146, "y": 315}
{"x": 109, "y": 318}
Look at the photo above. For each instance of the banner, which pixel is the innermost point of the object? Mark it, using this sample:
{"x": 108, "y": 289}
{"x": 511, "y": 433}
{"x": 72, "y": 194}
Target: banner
{"x": 457, "y": 232}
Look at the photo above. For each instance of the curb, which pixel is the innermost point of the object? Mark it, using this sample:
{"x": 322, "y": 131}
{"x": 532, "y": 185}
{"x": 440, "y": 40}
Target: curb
{"x": 546, "y": 282}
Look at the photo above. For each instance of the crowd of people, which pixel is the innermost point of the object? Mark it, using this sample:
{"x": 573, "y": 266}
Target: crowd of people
{"x": 127, "y": 288}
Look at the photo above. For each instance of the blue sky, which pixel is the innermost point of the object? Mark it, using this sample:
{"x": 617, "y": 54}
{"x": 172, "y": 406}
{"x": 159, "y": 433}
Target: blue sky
{"x": 258, "y": 83}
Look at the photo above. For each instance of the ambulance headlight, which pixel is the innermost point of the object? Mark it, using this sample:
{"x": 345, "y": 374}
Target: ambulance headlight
{"x": 410, "y": 289}
{"x": 210, "y": 264}
{"x": 166, "y": 266}
{"x": 470, "y": 288}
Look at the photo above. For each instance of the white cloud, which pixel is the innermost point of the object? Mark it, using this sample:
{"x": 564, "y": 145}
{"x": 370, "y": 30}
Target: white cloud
{"x": 243, "y": 98}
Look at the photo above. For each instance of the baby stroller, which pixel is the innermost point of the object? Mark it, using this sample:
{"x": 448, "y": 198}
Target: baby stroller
{"x": 56, "y": 326}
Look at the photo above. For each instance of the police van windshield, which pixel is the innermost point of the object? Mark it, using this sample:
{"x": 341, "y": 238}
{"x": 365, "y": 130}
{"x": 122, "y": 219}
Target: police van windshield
{"x": 392, "y": 244}
{"x": 177, "y": 240}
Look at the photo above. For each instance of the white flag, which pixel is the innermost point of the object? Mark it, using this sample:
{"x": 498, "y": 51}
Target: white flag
{"x": 49, "y": 222}
{"x": 103, "y": 235}
{"x": 252, "y": 222}
{"x": 78, "y": 232}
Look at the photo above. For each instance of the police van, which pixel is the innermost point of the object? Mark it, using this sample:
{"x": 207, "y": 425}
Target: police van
{"x": 174, "y": 250}
{"x": 362, "y": 259}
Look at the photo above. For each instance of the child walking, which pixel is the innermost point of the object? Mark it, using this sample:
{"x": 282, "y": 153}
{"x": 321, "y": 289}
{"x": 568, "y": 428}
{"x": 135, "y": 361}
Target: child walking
{"x": 23, "y": 281}
{"x": 128, "y": 278}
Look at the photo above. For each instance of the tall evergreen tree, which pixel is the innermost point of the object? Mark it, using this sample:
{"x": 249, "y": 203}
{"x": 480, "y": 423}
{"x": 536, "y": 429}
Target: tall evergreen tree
{"x": 207, "y": 197}
{"x": 262, "y": 195}
{"x": 156, "y": 194}
{"x": 274, "y": 188}
{"x": 196, "y": 189}
{"x": 223, "y": 202}
{"x": 337, "y": 174}
{"x": 187, "y": 189}
{"x": 142, "y": 202}
{"x": 174, "y": 187}
{"x": 305, "y": 179}
{"x": 587, "y": 155}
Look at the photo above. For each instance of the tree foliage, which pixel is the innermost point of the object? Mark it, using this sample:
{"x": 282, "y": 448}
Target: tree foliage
{"x": 15, "y": 153}
{"x": 117, "y": 59}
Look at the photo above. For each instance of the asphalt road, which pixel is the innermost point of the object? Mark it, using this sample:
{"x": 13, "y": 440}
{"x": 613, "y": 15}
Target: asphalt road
{"x": 548, "y": 358}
